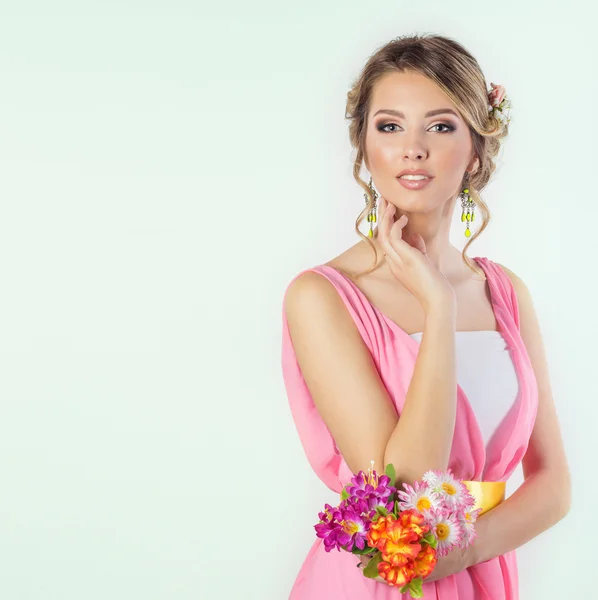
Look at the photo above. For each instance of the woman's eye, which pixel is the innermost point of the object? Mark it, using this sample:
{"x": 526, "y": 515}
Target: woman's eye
{"x": 384, "y": 126}
{"x": 448, "y": 127}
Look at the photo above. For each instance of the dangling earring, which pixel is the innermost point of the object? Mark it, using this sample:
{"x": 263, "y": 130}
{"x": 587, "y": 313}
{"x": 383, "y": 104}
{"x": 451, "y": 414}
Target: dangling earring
{"x": 373, "y": 211}
{"x": 467, "y": 208}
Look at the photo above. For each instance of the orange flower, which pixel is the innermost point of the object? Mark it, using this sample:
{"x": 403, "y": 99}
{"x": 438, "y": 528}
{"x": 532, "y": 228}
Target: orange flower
{"x": 376, "y": 536}
{"x": 398, "y": 539}
{"x": 425, "y": 562}
{"x": 400, "y": 542}
{"x": 396, "y": 575}
{"x": 414, "y": 521}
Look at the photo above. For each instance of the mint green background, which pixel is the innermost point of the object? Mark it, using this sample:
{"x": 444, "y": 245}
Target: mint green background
{"x": 166, "y": 169}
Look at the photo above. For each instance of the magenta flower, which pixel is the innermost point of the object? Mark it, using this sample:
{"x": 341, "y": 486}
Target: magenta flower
{"x": 344, "y": 527}
{"x": 367, "y": 506}
{"x": 327, "y": 513}
{"x": 364, "y": 485}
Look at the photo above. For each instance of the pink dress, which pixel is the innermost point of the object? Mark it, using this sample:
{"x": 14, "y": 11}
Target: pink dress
{"x": 333, "y": 575}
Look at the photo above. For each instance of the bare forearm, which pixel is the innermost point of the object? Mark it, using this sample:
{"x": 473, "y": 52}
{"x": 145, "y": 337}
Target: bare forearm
{"x": 539, "y": 503}
{"x": 423, "y": 435}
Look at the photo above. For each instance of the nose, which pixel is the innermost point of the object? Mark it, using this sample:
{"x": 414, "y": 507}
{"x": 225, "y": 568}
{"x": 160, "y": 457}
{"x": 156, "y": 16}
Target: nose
{"x": 415, "y": 152}
{"x": 414, "y": 147}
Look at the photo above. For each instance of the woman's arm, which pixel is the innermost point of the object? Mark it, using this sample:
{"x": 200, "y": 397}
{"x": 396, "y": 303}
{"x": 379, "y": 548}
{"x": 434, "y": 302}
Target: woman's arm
{"x": 350, "y": 396}
{"x": 339, "y": 372}
{"x": 544, "y": 498}
{"x": 423, "y": 436}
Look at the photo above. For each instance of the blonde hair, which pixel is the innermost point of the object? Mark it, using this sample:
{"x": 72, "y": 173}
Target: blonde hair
{"x": 456, "y": 71}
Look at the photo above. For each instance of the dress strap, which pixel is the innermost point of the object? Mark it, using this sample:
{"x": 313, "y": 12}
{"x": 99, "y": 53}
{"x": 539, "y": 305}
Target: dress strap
{"x": 501, "y": 287}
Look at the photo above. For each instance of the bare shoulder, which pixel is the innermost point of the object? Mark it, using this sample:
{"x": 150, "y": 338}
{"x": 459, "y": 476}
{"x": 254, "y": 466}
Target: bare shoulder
{"x": 524, "y": 298}
{"x": 314, "y": 289}
{"x": 516, "y": 280}
{"x": 311, "y": 293}
{"x": 317, "y": 316}
{"x": 529, "y": 325}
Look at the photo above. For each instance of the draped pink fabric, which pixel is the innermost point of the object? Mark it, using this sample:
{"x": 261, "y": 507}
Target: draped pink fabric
{"x": 333, "y": 575}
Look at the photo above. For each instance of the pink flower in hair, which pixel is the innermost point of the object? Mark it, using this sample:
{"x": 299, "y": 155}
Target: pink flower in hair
{"x": 499, "y": 105}
{"x": 496, "y": 95}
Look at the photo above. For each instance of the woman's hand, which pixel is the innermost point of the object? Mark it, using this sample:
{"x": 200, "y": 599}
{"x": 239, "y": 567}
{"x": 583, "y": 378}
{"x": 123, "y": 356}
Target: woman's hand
{"x": 365, "y": 559}
{"x": 454, "y": 562}
{"x": 409, "y": 262}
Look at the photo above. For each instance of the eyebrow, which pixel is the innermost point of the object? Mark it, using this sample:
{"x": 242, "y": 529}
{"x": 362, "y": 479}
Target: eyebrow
{"x": 430, "y": 113}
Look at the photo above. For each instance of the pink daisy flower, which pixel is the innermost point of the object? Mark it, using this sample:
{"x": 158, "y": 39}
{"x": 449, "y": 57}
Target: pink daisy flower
{"x": 447, "y": 529}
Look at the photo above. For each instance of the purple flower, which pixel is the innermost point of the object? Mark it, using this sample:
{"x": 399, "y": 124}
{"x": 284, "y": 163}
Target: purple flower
{"x": 371, "y": 491}
{"x": 365, "y": 484}
{"x": 344, "y": 527}
{"x": 366, "y": 507}
{"x": 327, "y": 513}
{"x": 374, "y": 501}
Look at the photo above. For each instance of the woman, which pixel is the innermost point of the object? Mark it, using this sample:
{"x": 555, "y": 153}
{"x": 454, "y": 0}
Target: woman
{"x": 402, "y": 350}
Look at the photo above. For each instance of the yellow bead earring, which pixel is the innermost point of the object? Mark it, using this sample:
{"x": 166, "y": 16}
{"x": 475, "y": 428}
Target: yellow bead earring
{"x": 467, "y": 209}
{"x": 373, "y": 211}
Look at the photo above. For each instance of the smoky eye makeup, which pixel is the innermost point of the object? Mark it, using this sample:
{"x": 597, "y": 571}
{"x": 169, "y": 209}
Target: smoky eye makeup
{"x": 447, "y": 126}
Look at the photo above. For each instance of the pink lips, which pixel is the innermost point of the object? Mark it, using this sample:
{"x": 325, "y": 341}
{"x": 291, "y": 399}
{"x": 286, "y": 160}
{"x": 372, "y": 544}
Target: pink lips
{"x": 414, "y": 184}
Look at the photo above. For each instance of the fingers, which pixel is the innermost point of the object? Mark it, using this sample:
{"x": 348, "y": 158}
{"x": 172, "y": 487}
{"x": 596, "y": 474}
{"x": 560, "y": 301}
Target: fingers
{"x": 396, "y": 234}
{"x": 390, "y": 231}
{"x": 383, "y": 206}
{"x": 396, "y": 245}
{"x": 386, "y": 222}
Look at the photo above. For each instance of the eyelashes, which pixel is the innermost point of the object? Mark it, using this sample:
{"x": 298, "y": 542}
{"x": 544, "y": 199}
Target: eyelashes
{"x": 382, "y": 127}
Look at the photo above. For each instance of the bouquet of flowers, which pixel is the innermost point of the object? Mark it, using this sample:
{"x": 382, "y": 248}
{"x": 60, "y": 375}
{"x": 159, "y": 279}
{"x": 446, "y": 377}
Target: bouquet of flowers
{"x": 404, "y": 531}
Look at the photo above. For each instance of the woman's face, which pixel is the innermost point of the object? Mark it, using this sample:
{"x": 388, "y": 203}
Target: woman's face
{"x": 441, "y": 143}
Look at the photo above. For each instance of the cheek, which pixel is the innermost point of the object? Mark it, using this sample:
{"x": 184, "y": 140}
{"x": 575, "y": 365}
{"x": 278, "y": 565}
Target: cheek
{"x": 455, "y": 159}
{"x": 451, "y": 161}
{"x": 382, "y": 153}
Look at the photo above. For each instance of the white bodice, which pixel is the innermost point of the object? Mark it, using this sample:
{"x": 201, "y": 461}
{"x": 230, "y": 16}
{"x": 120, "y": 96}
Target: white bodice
{"x": 486, "y": 373}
